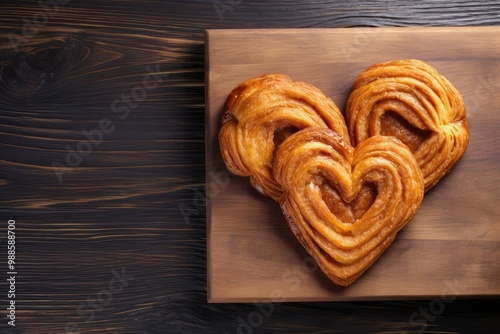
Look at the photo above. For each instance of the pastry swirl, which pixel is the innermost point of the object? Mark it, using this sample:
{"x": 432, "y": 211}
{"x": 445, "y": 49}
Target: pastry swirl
{"x": 410, "y": 100}
{"x": 345, "y": 205}
{"x": 260, "y": 113}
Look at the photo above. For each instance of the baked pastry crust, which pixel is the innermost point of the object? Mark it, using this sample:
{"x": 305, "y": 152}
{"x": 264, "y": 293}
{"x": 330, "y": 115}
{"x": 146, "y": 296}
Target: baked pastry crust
{"x": 410, "y": 100}
{"x": 260, "y": 113}
{"x": 345, "y": 205}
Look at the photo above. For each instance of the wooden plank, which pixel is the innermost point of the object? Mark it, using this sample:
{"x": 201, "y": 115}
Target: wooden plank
{"x": 455, "y": 236}
{"x": 120, "y": 207}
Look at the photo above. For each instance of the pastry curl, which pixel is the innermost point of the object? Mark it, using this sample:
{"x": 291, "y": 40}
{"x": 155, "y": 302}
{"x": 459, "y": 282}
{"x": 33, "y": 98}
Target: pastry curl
{"x": 410, "y": 100}
{"x": 260, "y": 113}
{"x": 345, "y": 205}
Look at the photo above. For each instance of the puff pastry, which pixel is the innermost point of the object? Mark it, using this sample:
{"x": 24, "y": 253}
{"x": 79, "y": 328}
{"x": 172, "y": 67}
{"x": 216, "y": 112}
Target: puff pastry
{"x": 410, "y": 100}
{"x": 260, "y": 113}
{"x": 345, "y": 205}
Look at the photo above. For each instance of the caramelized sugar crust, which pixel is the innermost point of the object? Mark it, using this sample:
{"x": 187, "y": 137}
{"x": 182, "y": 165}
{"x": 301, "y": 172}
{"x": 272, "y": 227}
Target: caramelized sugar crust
{"x": 345, "y": 205}
{"x": 392, "y": 124}
{"x": 410, "y": 100}
{"x": 260, "y": 114}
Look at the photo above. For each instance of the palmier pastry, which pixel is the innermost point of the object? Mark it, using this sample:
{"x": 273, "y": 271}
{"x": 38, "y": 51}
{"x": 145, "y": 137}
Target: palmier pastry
{"x": 260, "y": 113}
{"x": 410, "y": 100}
{"x": 344, "y": 204}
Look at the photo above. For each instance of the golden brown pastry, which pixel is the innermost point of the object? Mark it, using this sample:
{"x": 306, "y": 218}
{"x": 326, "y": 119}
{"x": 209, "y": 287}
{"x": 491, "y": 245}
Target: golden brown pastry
{"x": 410, "y": 100}
{"x": 344, "y": 204}
{"x": 260, "y": 113}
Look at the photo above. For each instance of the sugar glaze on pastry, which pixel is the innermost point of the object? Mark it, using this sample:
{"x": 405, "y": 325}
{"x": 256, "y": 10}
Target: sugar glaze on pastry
{"x": 345, "y": 205}
{"x": 263, "y": 111}
{"x": 410, "y": 100}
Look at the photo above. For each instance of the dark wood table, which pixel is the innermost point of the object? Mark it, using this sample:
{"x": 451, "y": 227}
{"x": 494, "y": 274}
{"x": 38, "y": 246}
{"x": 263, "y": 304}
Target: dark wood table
{"x": 102, "y": 168}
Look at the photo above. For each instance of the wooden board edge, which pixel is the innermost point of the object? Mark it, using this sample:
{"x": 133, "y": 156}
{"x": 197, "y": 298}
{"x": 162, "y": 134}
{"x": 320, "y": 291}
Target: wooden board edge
{"x": 463, "y": 296}
{"x": 208, "y": 157}
{"x": 354, "y": 30}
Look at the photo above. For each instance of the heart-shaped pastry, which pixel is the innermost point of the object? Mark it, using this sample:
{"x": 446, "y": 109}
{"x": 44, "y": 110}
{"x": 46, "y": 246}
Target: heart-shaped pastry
{"x": 410, "y": 100}
{"x": 345, "y": 205}
{"x": 260, "y": 113}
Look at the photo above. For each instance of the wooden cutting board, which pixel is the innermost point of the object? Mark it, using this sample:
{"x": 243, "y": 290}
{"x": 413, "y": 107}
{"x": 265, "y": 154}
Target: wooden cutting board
{"x": 451, "y": 248}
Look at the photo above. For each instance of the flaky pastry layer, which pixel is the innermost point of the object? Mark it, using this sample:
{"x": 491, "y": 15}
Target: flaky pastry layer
{"x": 263, "y": 111}
{"x": 345, "y": 205}
{"x": 410, "y": 100}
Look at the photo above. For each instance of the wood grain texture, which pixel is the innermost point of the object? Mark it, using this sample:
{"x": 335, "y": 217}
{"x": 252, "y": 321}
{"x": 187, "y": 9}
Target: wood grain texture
{"x": 119, "y": 208}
